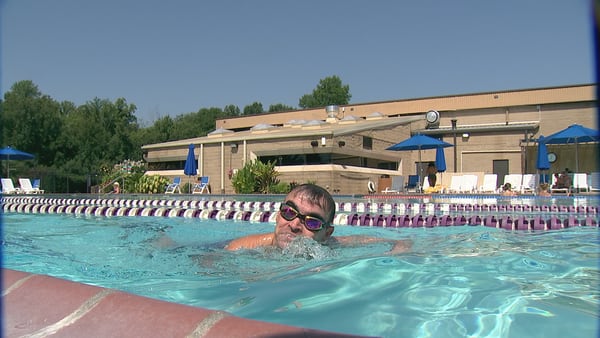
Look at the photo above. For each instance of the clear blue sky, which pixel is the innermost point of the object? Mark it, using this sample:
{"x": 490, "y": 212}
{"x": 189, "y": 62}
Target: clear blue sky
{"x": 175, "y": 57}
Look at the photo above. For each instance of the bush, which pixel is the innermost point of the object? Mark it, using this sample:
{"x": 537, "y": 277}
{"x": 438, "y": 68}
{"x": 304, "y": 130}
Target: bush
{"x": 154, "y": 184}
{"x": 256, "y": 177}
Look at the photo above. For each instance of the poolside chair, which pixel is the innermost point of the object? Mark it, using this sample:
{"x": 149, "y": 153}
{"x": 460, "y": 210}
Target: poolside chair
{"x": 425, "y": 184}
{"x": 594, "y": 181}
{"x": 490, "y": 183}
{"x": 455, "y": 184}
{"x": 8, "y": 187}
{"x": 397, "y": 186}
{"x": 468, "y": 183}
{"x": 515, "y": 181}
{"x": 37, "y": 185}
{"x": 528, "y": 183}
{"x": 580, "y": 182}
{"x": 26, "y": 186}
{"x": 202, "y": 186}
{"x": 173, "y": 187}
{"x": 413, "y": 183}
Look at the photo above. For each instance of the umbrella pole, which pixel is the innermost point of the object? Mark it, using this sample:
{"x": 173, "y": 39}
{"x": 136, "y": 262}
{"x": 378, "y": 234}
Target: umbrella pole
{"x": 419, "y": 185}
{"x": 576, "y": 156}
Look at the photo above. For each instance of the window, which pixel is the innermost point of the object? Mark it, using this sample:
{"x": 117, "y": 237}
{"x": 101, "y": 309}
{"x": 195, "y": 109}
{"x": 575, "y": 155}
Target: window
{"x": 367, "y": 143}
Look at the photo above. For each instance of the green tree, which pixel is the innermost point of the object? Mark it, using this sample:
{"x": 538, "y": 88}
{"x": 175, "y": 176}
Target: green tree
{"x": 279, "y": 107}
{"x": 231, "y": 111}
{"x": 31, "y": 121}
{"x": 97, "y": 135}
{"x": 330, "y": 90}
{"x": 254, "y": 108}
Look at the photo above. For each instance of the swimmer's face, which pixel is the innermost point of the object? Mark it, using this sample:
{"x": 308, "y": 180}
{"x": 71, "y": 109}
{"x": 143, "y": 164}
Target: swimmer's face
{"x": 287, "y": 230}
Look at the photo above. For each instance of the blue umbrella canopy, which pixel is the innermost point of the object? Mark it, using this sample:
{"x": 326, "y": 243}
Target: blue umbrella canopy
{"x": 542, "y": 162}
{"x": 576, "y": 134}
{"x": 191, "y": 166}
{"x": 8, "y": 153}
{"x": 419, "y": 142}
{"x": 440, "y": 160}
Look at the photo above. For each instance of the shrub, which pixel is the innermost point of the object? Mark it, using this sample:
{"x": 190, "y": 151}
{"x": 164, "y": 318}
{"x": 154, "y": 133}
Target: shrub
{"x": 154, "y": 184}
{"x": 256, "y": 177}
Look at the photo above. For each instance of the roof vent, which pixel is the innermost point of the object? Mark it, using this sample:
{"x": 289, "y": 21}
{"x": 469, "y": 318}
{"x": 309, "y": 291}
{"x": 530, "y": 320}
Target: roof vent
{"x": 332, "y": 111}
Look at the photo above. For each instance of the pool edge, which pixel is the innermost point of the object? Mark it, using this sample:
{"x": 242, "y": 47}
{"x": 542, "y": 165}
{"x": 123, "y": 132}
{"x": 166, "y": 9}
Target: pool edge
{"x": 40, "y": 305}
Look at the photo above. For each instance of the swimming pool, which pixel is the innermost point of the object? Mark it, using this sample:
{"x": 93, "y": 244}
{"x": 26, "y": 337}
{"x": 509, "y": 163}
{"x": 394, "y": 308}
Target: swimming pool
{"x": 457, "y": 281}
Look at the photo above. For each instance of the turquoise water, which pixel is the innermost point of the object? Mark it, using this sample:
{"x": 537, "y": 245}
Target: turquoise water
{"x": 459, "y": 281}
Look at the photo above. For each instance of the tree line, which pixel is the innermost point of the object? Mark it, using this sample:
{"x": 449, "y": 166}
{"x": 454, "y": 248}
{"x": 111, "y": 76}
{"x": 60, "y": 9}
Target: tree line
{"x": 78, "y": 146}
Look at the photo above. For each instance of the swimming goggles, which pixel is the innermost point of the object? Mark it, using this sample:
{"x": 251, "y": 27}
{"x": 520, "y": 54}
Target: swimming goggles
{"x": 289, "y": 213}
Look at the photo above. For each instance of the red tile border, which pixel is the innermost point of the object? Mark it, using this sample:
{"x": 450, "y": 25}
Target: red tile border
{"x": 40, "y": 305}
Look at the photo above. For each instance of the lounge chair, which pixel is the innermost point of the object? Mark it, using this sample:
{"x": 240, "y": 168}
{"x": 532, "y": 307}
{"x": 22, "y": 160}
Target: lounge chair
{"x": 173, "y": 187}
{"x": 529, "y": 183}
{"x": 397, "y": 186}
{"x": 490, "y": 183}
{"x": 37, "y": 185}
{"x": 8, "y": 187}
{"x": 456, "y": 183}
{"x": 594, "y": 181}
{"x": 202, "y": 186}
{"x": 26, "y": 186}
{"x": 515, "y": 180}
{"x": 469, "y": 183}
{"x": 580, "y": 182}
{"x": 413, "y": 183}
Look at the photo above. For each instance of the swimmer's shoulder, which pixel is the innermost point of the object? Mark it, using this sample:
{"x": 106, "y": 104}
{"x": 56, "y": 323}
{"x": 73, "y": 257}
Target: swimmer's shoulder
{"x": 250, "y": 242}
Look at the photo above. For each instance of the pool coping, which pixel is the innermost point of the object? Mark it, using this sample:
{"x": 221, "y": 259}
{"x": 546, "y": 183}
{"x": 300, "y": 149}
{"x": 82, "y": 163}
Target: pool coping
{"x": 39, "y": 305}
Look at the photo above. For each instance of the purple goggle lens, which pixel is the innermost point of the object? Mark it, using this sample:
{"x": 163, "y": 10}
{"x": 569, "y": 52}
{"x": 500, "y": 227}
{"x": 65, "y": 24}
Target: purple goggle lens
{"x": 289, "y": 213}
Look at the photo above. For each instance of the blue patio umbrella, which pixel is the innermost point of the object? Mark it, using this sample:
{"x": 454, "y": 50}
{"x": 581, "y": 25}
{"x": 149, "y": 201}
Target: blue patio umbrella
{"x": 191, "y": 166}
{"x": 576, "y": 134}
{"x": 419, "y": 142}
{"x": 542, "y": 162}
{"x": 440, "y": 160}
{"x": 8, "y": 153}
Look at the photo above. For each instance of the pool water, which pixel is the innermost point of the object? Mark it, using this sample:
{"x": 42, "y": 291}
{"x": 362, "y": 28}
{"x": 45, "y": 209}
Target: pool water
{"x": 459, "y": 281}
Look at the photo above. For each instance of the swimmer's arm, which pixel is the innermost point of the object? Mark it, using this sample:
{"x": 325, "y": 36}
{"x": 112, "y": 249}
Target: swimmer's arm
{"x": 250, "y": 242}
{"x": 399, "y": 246}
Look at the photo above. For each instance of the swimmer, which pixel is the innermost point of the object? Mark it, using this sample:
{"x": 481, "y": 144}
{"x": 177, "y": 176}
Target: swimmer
{"x": 308, "y": 210}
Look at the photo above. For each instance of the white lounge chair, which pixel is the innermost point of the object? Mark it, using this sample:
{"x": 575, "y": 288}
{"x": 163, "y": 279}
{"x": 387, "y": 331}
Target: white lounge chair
{"x": 515, "y": 181}
{"x": 594, "y": 181}
{"x": 202, "y": 186}
{"x": 528, "y": 183}
{"x": 456, "y": 183}
{"x": 469, "y": 183}
{"x": 490, "y": 183}
{"x": 26, "y": 186}
{"x": 8, "y": 187}
{"x": 174, "y": 187}
{"x": 397, "y": 186}
{"x": 580, "y": 182}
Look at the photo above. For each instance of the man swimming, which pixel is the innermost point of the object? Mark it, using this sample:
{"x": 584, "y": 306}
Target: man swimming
{"x": 308, "y": 210}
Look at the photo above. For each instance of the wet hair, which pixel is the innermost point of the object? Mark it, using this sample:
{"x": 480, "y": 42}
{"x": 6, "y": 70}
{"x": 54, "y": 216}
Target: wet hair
{"x": 507, "y": 186}
{"x": 315, "y": 195}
